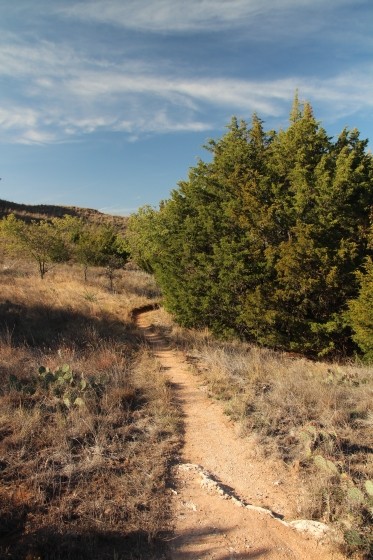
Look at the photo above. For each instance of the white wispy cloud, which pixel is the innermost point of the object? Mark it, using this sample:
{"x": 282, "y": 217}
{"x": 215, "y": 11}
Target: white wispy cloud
{"x": 36, "y": 136}
{"x": 62, "y": 95}
{"x": 29, "y": 58}
{"x": 181, "y": 16}
{"x": 17, "y": 117}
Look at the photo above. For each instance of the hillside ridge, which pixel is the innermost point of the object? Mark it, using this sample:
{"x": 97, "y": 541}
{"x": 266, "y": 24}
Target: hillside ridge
{"x": 30, "y": 212}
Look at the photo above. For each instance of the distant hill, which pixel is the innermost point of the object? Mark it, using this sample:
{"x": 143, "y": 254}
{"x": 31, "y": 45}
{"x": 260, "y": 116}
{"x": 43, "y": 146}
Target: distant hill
{"x": 30, "y": 212}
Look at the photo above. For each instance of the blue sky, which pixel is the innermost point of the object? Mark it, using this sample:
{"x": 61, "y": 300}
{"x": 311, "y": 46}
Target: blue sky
{"x": 107, "y": 103}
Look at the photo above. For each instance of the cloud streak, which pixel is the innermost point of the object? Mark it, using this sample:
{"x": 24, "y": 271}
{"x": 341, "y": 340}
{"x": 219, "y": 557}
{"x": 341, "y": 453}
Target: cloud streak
{"x": 63, "y": 95}
{"x": 81, "y": 78}
{"x": 178, "y": 16}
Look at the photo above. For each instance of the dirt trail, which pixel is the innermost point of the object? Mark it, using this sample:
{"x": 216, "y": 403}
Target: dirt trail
{"x": 222, "y": 482}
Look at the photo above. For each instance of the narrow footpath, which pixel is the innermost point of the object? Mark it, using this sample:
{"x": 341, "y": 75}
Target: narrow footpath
{"x": 229, "y": 501}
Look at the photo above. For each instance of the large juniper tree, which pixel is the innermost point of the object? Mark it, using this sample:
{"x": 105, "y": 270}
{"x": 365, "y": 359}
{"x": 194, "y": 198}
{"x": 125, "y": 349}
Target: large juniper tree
{"x": 265, "y": 239}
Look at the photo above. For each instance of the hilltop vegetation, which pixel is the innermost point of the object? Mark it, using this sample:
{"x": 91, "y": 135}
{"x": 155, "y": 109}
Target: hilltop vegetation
{"x": 270, "y": 240}
{"x": 29, "y": 212}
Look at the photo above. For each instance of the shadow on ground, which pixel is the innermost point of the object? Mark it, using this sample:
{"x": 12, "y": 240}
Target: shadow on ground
{"x": 42, "y": 326}
{"x": 204, "y": 543}
{"x": 45, "y": 544}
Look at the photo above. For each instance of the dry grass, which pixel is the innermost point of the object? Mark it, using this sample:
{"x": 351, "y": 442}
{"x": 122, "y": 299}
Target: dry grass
{"x": 63, "y": 307}
{"x": 318, "y": 417}
{"x": 84, "y": 480}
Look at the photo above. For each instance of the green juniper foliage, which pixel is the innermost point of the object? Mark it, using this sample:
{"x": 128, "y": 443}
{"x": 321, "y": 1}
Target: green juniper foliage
{"x": 266, "y": 239}
{"x": 360, "y": 313}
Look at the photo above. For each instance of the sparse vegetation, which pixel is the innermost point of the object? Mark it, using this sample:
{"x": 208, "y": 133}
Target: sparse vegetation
{"x": 87, "y": 424}
{"x": 58, "y": 240}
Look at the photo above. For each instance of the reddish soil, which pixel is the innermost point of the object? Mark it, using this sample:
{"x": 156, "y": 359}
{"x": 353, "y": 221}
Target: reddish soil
{"x": 225, "y": 489}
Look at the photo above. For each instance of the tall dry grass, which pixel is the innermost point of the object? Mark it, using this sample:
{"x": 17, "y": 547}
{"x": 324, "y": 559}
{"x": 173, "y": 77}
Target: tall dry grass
{"x": 315, "y": 416}
{"x": 83, "y": 460}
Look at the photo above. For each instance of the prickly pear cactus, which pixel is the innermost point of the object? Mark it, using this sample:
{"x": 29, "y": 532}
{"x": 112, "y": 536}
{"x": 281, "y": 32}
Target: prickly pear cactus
{"x": 369, "y": 487}
{"x": 355, "y": 495}
{"x": 65, "y": 386}
{"x": 325, "y": 465}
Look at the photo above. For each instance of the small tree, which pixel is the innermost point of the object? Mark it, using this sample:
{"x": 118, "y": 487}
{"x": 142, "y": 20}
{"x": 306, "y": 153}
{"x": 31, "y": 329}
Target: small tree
{"x": 264, "y": 240}
{"x": 86, "y": 248}
{"x": 142, "y": 237}
{"x": 113, "y": 254}
{"x": 42, "y": 241}
{"x": 100, "y": 245}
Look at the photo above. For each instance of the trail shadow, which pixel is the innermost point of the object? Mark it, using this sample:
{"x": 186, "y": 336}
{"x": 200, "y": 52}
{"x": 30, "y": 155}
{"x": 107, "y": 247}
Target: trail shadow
{"x": 19, "y": 541}
{"x": 197, "y": 541}
{"x": 51, "y": 544}
{"x": 143, "y": 309}
{"x": 48, "y": 543}
{"x": 42, "y": 326}
{"x": 22, "y": 539}
{"x": 12, "y": 515}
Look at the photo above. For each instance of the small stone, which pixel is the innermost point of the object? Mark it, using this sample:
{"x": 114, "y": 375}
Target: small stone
{"x": 237, "y": 502}
{"x": 191, "y": 505}
{"x": 259, "y": 510}
{"x": 315, "y": 528}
